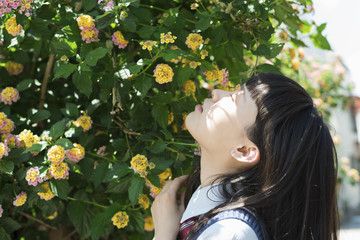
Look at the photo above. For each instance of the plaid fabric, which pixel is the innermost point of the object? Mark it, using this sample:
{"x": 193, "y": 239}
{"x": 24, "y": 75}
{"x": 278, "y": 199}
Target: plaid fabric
{"x": 186, "y": 226}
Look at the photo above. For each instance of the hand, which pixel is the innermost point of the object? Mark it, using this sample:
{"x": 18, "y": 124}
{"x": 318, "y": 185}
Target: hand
{"x": 167, "y": 210}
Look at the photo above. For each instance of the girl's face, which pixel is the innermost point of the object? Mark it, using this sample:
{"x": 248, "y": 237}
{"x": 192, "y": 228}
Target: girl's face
{"x": 220, "y": 124}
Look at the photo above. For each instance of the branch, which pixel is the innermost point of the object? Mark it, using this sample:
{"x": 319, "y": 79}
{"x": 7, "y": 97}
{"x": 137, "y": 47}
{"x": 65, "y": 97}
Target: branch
{"x": 49, "y": 65}
{"x": 37, "y": 220}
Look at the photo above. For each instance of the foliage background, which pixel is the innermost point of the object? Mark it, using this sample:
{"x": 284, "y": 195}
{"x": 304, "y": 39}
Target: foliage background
{"x": 64, "y": 77}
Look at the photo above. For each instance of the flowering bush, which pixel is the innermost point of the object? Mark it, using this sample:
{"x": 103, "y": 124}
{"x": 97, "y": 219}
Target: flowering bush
{"x": 94, "y": 95}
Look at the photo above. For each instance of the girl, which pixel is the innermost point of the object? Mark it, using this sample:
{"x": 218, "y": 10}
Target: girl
{"x": 268, "y": 169}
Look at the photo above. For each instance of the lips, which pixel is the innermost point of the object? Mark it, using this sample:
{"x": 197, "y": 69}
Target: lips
{"x": 199, "y": 108}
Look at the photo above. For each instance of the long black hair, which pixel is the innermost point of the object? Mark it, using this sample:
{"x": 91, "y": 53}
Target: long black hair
{"x": 292, "y": 188}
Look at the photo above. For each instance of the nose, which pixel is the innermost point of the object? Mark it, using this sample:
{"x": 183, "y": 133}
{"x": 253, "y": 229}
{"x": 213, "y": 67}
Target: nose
{"x": 218, "y": 94}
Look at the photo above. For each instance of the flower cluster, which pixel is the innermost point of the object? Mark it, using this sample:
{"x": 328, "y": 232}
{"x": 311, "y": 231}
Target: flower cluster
{"x": 167, "y": 38}
{"x": 20, "y": 199}
{"x": 144, "y": 201}
{"x": 87, "y": 26}
{"x": 75, "y": 154}
{"x": 194, "y": 6}
{"x": 167, "y": 174}
{"x": 147, "y": 45}
{"x": 28, "y": 138}
{"x": 56, "y": 154}
{"x": 148, "y": 224}
{"x": 59, "y": 170}
{"x": 14, "y": 68}
{"x": 189, "y": 87}
{"x": 6, "y": 124}
{"x": 109, "y": 4}
{"x": 4, "y": 150}
{"x": 33, "y": 176}
{"x": 204, "y": 54}
{"x": 83, "y": 121}
{"x": 194, "y": 41}
{"x": 46, "y": 194}
{"x": 101, "y": 151}
{"x": 119, "y": 39}
{"x": 9, "y": 95}
{"x": 174, "y": 47}
{"x": 163, "y": 73}
{"x": 120, "y": 219}
{"x": 218, "y": 75}
{"x": 139, "y": 163}
{"x": 170, "y": 117}
{"x": 12, "y": 27}
{"x": 25, "y": 6}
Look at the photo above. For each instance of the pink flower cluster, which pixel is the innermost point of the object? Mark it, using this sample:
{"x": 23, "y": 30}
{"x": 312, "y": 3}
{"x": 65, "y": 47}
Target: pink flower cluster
{"x": 33, "y": 176}
{"x": 109, "y": 4}
{"x": 7, "y": 5}
{"x": 9, "y": 95}
{"x": 87, "y": 26}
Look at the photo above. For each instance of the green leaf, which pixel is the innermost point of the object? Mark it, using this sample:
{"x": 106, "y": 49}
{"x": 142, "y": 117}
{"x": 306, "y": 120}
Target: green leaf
{"x": 130, "y": 24}
{"x": 137, "y": 221}
{"x": 6, "y": 166}
{"x": 64, "y": 70}
{"x": 275, "y": 49}
{"x": 62, "y": 48}
{"x": 92, "y": 57}
{"x": 163, "y": 98}
{"x": 99, "y": 174}
{"x": 82, "y": 81}
{"x": 203, "y": 23}
{"x": 39, "y": 116}
{"x": 102, "y": 220}
{"x": 24, "y": 84}
{"x": 162, "y": 163}
{"x": 262, "y": 50}
{"x": 37, "y": 147}
{"x": 9, "y": 224}
{"x": 320, "y": 41}
{"x": 72, "y": 110}
{"x": 60, "y": 188}
{"x": 120, "y": 144}
{"x": 145, "y": 32}
{"x": 235, "y": 49}
{"x": 160, "y": 114}
{"x": 65, "y": 143}
{"x": 154, "y": 180}
{"x": 268, "y": 68}
{"x": 119, "y": 187}
{"x": 89, "y": 4}
{"x": 58, "y": 129}
{"x": 136, "y": 189}
{"x": 104, "y": 20}
{"x": 79, "y": 216}
{"x": 119, "y": 170}
{"x": 157, "y": 147}
{"x": 4, "y": 235}
{"x": 143, "y": 85}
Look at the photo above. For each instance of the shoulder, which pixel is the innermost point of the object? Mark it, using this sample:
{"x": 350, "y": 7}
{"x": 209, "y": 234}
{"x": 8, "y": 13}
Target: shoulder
{"x": 228, "y": 229}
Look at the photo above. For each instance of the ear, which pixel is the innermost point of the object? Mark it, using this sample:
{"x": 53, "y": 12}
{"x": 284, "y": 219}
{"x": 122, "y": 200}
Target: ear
{"x": 244, "y": 154}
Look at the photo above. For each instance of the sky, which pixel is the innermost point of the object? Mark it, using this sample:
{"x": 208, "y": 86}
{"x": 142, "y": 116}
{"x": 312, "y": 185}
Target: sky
{"x": 343, "y": 32}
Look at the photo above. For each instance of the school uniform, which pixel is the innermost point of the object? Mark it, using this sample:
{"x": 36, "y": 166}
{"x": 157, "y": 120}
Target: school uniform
{"x": 225, "y": 227}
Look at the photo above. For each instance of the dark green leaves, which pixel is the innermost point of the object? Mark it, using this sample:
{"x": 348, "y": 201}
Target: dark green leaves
{"x": 82, "y": 81}
{"x": 319, "y": 40}
{"x": 60, "y": 188}
{"x": 136, "y": 188}
{"x": 160, "y": 114}
{"x": 58, "y": 128}
{"x": 63, "y": 48}
{"x": 92, "y": 57}
{"x": 64, "y": 70}
{"x": 39, "y": 116}
{"x": 6, "y": 166}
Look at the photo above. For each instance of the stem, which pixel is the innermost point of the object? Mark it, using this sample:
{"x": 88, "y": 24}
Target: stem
{"x": 37, "y": 220}
{"x": 128, "y": 145}
{"x": 185, "y": 144}
{"x": 88, "y": 202}
{"x": 152, "y": 7}
{"x": 49, "y": 65}
{"x": 95, "y": 155}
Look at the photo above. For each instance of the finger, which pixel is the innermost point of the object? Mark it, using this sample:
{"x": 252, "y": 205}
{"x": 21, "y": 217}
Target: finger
{"x": 182, "y": 202}
{"x": 176, "y": 184}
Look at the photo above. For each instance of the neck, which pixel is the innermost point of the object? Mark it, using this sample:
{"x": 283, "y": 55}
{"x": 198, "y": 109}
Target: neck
{"x": 212, "y": 165}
